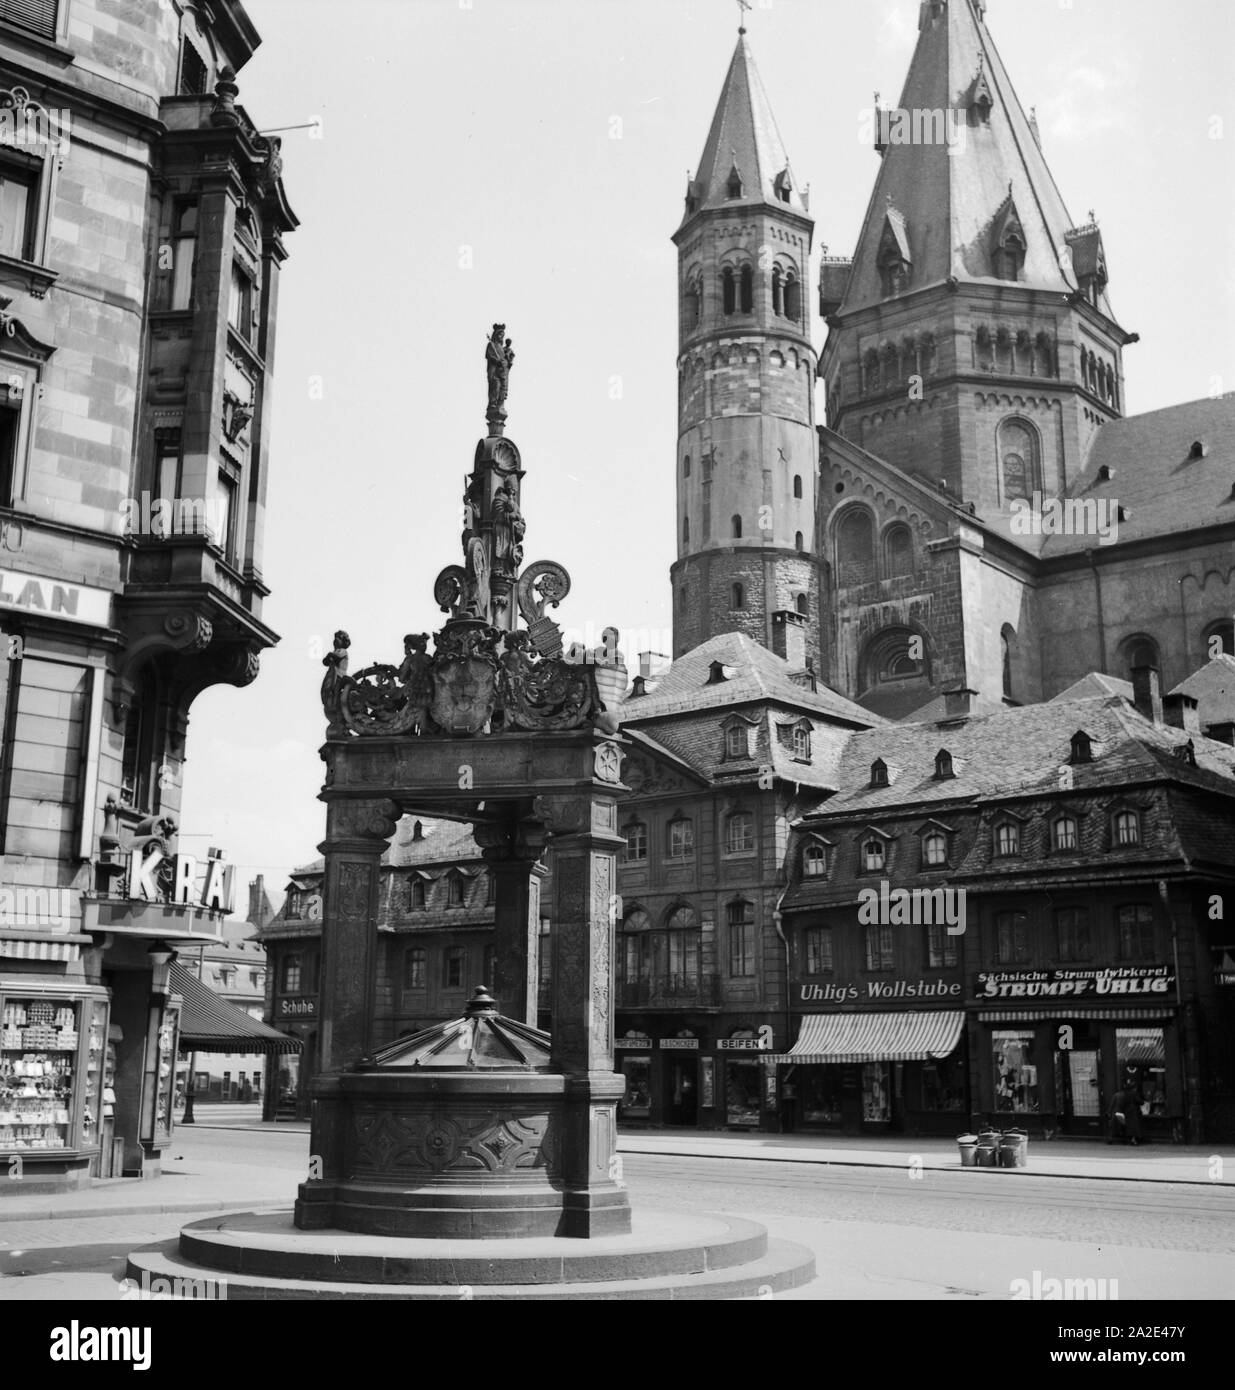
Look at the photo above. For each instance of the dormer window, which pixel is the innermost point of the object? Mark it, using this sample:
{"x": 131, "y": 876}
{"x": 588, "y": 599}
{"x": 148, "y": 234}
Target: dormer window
{"x": 734, "y": 186}
{"x": 801, "y": 743}
{"x": 454, "y": 890}
{"x": 416, "y": 894}
{"x": 879, "y": 773}
{"x": 717, "y": 673}
{"x": 1009, "y": 258}
{"x": 1082, "y": 748}
{"x": 1064, "y": 834}
{"x": 1126, "y": 829}
{"x": 934, "y": 850}
{"x": 815, "y": 861}
{"x": 1007, "y": 839}
{"x": 943, "y": 765}
{"x": 893, "y": 258}
{"x": 782, "y": 185}
{"x": 736, "y": 744}
{"x": 874, "y": 855}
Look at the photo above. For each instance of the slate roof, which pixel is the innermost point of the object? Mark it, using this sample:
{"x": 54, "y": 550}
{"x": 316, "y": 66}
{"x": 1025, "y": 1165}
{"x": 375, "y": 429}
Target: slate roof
{"x": 1096, "y": 683}
{"x": 744, "y": 133}
{"x": 1161, "y": 489}
{"x": 951, "y": 198}
{"x": 1020, "y": 751}
{"x": 755, "y": 674}
{"x": 1213, "y": 686}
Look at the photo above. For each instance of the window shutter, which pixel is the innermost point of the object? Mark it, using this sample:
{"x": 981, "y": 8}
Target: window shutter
{"x": 38, "y": 15}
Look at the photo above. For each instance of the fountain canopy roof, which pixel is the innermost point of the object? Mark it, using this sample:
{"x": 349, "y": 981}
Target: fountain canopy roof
{"x": 482, "y": 1040}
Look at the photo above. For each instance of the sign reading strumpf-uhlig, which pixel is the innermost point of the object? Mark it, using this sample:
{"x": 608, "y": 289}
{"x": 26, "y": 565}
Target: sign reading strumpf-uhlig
{"x": 1075, "y": 984}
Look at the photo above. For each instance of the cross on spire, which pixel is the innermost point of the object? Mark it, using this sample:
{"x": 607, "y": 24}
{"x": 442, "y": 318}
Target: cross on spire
{"x": 743, "y": 10}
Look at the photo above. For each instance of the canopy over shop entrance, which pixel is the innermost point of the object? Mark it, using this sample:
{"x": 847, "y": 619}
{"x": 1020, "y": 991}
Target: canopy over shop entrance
{"x": 826, "y": 1039}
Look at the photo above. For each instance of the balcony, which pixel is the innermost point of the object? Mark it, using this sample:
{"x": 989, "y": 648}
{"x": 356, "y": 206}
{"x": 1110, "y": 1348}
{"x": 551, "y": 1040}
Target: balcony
{"x": 670, "y": 992}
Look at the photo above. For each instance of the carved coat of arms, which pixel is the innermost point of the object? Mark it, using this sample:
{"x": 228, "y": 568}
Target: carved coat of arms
{"x": 465, "y": 681}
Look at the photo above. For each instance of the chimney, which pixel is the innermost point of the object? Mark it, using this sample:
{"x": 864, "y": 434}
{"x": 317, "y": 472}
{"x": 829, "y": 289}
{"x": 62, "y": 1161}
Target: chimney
{"x": 789, "y": 637}
{"x": 1221, "y": 733}
{"x": 958, "y": 703}
{"x": 653, "y": 664}
{"x": 256, "y": 892}
{"x": 1147, "y": 693}
{"x": 1182, "y": 712}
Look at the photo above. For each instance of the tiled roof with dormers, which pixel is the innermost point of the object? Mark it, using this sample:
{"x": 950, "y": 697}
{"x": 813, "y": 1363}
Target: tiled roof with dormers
{"x": 1151, "y": 475}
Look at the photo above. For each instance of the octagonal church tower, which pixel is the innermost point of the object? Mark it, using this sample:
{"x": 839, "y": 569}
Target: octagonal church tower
{"x": 747, "y": 447}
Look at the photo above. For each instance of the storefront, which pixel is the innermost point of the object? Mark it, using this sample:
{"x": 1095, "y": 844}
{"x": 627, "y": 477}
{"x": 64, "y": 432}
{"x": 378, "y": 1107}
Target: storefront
{"x": 874, "y": 1073}
{"x": 632, "y": 1057}
{"x": 1061, "y": 1050}
{"x": 294, "y": 970}
{"x": 676, "y": 1077}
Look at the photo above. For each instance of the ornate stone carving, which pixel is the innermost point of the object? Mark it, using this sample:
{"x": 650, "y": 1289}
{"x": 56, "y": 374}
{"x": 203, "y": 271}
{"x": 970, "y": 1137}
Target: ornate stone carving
{"x": 191, "y": 632}
{"x": 499, "y": 359}
{"x": 464, "y": 676}
{"x": 363, "y": 820}
{"x": 355, "y": 881}
{"x": 508, "y": 527}
{"x": 242, "y": 665}
{"x": 563, "y": 815}
{"x": 334, "y": 684}
{"x": 608, "y": 762}
{"x": 649, "y": 779}
{"x": 541, "y": 693}
{"x": 507, "y": 1141}
{"x": 543, "y": 585}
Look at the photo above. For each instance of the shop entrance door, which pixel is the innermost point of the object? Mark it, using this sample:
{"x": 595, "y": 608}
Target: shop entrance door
{"x": 682, "y": 1091}
{"x": 1083, "y": 1112}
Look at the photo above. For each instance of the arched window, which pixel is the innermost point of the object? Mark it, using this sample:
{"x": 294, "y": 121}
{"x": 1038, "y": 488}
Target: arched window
{"x": 1126, "y": 828}
{"x": 1019, "y": 456}
{"x": 1140, "y": 650}
{"x": 291, "y": 972}
{"x": 681, "y": 947}
{"x": 1007, "y": 839}
{"x": 777, "y": 290}
{"x": 740, "y": 833}
{"x": 799, "y": 544}
{"x": 801, "y": 743}
{"x": 895, "y": 654}
{"x": 1063, "y": 834}
{"x": 728, "y": 286}
{"x": 748, "y": 289}
{"x": 635, "y": 947}
{"x": 801, "y": 603}
{"x": 943, "y": 765}
{"x": 793, "y": 298}
{"x": 874, "y": 856}
{"x": 797, "y": 485}
{"x": 636, "y": 833}
{"x": 855, "y": 547}
{"x": 736, "y": 527}
{"x": 686, "y": 467}
{"x": 454, "y": 890}
{"x": 737, "y": 597}
{"x": 814, "y": 862}
{"x": 686, "y": 530}
{"x": 693, "y": 306}
{"x": 898, "y": 551}
{"x": 414, "y": 965}
{"x": 870, "y": 371}
{"x": 1009, "y": 648}
{"x": 736, "y": 744}
{"x": 1005, "y": 648}
{"x": 740, "y": 924}
{"x": 935, "y": 850}
{"x": 415, "y": 894}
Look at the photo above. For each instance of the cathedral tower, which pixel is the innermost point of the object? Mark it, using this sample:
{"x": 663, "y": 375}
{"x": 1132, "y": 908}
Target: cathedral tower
{"x": 747, "y": 448}
{"x": 972, "y": 339}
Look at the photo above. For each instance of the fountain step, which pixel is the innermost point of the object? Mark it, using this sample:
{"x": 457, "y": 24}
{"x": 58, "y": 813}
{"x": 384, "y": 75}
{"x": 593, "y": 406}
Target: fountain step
{"x": 669, "y": 1256}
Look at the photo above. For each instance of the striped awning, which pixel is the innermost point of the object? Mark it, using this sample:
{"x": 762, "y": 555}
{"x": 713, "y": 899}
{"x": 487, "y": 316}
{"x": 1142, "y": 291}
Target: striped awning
{"x": 1127, "y": 1015}
{"x": 875, "y": 1037}
{"x": 209, "y": 1023}
{"x": 47, "y": 949}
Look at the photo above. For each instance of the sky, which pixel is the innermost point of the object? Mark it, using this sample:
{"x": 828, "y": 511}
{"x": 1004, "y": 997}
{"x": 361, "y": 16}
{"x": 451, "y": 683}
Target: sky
{"x": 525, "y": 161}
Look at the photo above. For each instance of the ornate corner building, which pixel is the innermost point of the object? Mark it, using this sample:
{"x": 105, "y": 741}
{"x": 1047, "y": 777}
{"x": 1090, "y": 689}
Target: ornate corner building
{"x": 140, "y": 247}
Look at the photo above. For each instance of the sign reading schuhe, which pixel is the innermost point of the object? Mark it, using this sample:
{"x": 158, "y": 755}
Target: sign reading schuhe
{"x": 297, "y": 1008}
{"x": 1075, "y": 984}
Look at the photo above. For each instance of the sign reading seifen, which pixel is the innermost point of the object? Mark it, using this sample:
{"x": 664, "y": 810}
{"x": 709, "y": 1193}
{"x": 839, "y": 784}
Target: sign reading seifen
{"x": 1074, "y": 984}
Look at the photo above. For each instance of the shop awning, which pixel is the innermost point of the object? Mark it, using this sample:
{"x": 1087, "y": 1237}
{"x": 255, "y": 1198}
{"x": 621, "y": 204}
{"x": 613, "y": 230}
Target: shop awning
{"x": 211, "y": 1024}
{"x": 44, "y": 948}
{"x": 892, "y": 1037}
{"x": 1130, "y": 1014}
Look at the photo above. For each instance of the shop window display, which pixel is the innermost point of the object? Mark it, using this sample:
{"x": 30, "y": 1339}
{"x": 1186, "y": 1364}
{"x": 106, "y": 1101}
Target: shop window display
{"x": 876, "y": 1093}
{"x": 742, "y": 1093}
{"x": 38, "y": 1050}
{"x": 1141, "y": 1061}
{"x": 637, "y": 1102}
{"x": 1016, "y": 1072}
{"x": 820, "y": 1089}
{"x": 943, "y": 1085}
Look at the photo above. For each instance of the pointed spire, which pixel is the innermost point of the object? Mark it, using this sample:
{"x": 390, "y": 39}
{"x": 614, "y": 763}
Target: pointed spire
{"x": 744, "y": 159}
{"x": 951, "y": 191}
